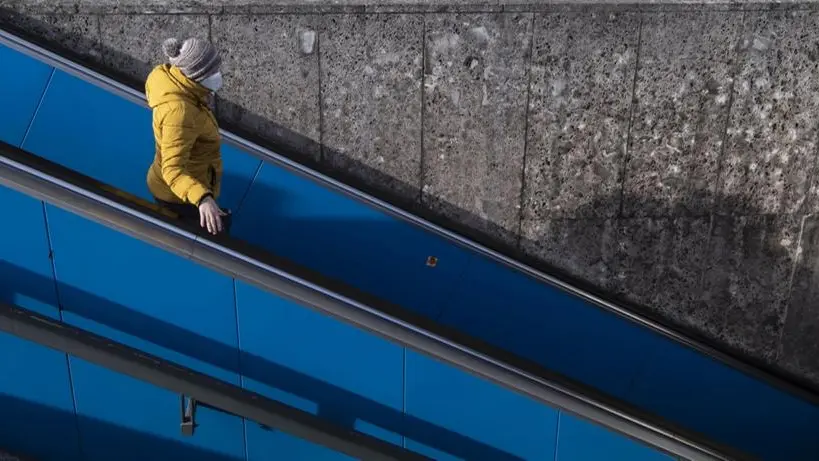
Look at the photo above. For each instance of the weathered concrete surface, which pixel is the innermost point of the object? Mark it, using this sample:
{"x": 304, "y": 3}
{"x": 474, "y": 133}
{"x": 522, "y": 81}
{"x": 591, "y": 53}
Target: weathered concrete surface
{"x": 681, "y": 98}
{"x": 770, "y": 156}
{"x": 371, "y": 67}
{"x": 475, "y": 87}
{"x": 668, "y": 159}
{"x": 124, "y": 37}
{"x": 271, "y": 75}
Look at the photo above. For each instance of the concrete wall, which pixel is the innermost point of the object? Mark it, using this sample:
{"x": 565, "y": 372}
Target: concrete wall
{"x": 665, "y": 154}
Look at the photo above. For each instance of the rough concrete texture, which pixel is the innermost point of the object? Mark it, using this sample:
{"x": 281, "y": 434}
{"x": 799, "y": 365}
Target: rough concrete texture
{"x": 133, "y": 44}
{"x": 475, "y": 86}
{"x": 371, "y": 69}
{"x": 665, "y": 158}
{"x": 582, "y": 75}
{"x": 271, "y": 76}
{"x": 771, "y": 140}
{"x": 681, "y": 95}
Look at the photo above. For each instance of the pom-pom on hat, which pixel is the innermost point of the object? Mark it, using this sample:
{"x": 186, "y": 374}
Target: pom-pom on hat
{"x": 196, "y": 58}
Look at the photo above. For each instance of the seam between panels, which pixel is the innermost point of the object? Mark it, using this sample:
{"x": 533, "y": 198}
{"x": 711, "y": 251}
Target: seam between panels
{"x": 241, "y": 374}
{"x": 557, "y": 434}
{"x": 527, "y": 114}
{"x": 404, "y": 415}
{"x": 39, "y": 105}
{"x": 71, "y": 387}
{"x": 631, "y": 114}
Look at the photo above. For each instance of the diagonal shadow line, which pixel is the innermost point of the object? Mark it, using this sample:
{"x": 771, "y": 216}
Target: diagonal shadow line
{"x": 339, "y": 405}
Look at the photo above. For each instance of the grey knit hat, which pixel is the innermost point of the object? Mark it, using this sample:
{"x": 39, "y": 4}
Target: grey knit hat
{"x": 196, "y": 58}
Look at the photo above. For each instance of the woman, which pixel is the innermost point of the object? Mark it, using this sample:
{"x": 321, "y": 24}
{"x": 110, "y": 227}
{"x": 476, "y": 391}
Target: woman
{"x": 186, "y": 172}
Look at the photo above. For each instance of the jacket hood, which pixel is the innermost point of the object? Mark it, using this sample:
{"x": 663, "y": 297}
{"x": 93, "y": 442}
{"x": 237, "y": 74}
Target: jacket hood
{"x": 167, "y": 83}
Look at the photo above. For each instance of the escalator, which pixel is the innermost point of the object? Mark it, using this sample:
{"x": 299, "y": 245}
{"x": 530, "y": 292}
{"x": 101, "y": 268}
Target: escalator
{"x": 437, "y": 353}
{"x": 338, "y": 238}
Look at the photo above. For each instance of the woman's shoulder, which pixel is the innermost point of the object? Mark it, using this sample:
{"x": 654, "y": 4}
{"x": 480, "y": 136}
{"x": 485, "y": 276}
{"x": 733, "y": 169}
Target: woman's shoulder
{"x": 178, "y": 111}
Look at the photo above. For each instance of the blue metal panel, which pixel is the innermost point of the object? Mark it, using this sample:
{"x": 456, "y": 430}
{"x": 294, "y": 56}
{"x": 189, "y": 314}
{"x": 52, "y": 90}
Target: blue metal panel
{"x": 111, "y": 139}
{"x": 239, "y": 171}
{"x": 269, "y": 444}
{"x": 579, "y": 440}
{"x": 35, "y": 395}
{"x": 24, "y": 82}
{"x": 342, "y": 238}
{"x": 36, "y": 408}
{"x": 145, "y": 297}
{"x": 548, "y": 326}
{"x": 121, "y": 418}
{"x": 94, "y": 132}
{"x": 317, "y": 364}
{"x": 26, "y": 277}
{"x": 471, "y": 418}
{"x": 731, "y": 407}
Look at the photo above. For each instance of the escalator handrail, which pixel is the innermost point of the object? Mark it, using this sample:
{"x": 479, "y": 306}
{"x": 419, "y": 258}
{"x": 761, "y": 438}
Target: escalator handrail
{"x": 23, "y": 171}
{"x": 166, "y": 374}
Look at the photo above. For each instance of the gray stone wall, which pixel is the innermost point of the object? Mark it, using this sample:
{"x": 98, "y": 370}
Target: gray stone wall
{"x": 664, "y": 155}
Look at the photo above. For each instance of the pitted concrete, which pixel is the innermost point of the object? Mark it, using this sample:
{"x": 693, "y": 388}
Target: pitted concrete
{"x": 667, "y": 158}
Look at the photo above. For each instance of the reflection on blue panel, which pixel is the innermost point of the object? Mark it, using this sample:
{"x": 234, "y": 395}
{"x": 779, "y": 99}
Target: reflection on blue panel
{"x": 121, "y": 418}
{"x": 26, "y": 277}
{"x": 24, "y": 81}
{"x": 265, "y": 444}
{"x": 579, "y": 440}
{"x": 36, "y": 408}
{"x": 145, "y": 297}
{"x": 239, "y": 170}
{"x": 549, "y": 327}
{"x": 95, "y": 132}
{"x": 319, "y": 365}
{"x": 328, "y": 232}
{"x": 728, "y": 405}
{"x": 474, "y": 419}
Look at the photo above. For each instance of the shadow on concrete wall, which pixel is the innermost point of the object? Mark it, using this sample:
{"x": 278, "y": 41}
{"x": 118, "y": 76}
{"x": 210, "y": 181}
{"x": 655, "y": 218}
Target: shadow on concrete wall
{"x": 705, "y": 285}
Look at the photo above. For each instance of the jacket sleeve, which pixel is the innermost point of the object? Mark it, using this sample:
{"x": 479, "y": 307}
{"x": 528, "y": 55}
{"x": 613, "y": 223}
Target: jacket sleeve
{"x": 217, "y": 177}
{"x": 179, "y": 133}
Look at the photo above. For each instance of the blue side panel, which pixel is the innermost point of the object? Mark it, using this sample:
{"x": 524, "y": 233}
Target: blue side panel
{"x": 36, "y": 409}
{"x": 549, "y": 327}
{"x": 333, "y": 234}
{"x": 239, "y": 170}
{"x": 97, "y": 133}
{"x": 111, "y": 139}
{"x": 579, "y": 440}
{"x": 145, "y": 297}
{"x": 124, "y": 419}
{"x": 26, "y": 276}
{"x": 129, "y": 291}
{"x": 728, "y": 405}
{"x": 468, "y": 418}
{"x": 23, "y": 84}
{"x": 35, "y": 397}
{"x": 271, "y": 445}
{"x": 317, "y": 364}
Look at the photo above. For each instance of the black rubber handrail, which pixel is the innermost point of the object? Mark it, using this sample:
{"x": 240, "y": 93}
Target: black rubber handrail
{"x": 114, "y": 208}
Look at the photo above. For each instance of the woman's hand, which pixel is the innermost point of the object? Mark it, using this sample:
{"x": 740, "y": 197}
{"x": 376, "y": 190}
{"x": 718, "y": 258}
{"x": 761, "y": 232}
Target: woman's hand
{"x": 210, "y": 215}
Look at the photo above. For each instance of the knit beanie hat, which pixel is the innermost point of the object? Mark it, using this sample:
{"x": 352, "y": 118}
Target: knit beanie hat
{"x": 196, "y": 58}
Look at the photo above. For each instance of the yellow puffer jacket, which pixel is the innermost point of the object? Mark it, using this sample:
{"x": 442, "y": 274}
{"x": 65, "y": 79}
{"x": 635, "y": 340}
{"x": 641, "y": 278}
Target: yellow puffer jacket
{"x": 188, "y": 163}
